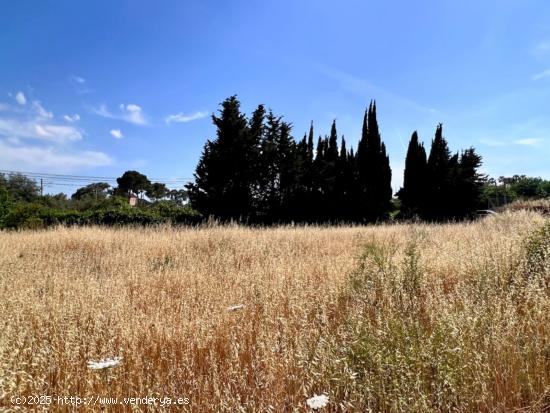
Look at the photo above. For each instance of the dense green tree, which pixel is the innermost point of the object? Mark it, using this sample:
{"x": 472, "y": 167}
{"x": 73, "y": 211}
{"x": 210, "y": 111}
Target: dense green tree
{"x": 225, "y": 177}
{"x": 156, "y": 191}
{"x": 468, "y": 186}
{"x": 20, "y": 187}
{"x": 374, "y": 173}
{"x": 133, "y": 182}
{"x": 413, "y": 192}
{"x": 96, "y": 190}
{"x": 438, "y": 178}
{"x": 178, "y": 196}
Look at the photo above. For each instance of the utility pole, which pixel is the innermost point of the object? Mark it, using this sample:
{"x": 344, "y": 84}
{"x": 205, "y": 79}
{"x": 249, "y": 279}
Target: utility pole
{"x": 41, "y": 187}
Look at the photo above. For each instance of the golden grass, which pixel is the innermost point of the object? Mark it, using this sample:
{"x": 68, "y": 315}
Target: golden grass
{"x": 316, "y": 317}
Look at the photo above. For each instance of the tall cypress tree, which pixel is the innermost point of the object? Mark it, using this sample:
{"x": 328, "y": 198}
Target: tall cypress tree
{"x": 286, "y": 172}
{"x": 256, "y": 131}
{"x": 439, "y": 178}
{"x": 468, "y": 189}
{"x": 414, "y": 178}
{"x": 268, "y": 179}
{"x": 310, "y": 146}
{"x": 374, "y": 173}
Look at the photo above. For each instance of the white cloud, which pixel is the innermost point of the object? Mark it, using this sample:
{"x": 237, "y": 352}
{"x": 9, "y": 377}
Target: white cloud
{"x": 79, "y": 84}
{"x": 73, "y": 118}
{"x": 116, "y": 133}
{"x": 31, "y": 140}
{"x": 541, "y": 75}
{"x": 12, "y": 128}
{"x": 133, "y": 114}
{"x": 492, "y": 142}
{"x": 496, "y": 142}
{"x": 30, "y": 157}
{"x": 361, "y": 87}
{"x": 101, "y": 110}
{"x": 180, "y": 117}
{"x": 130, "y": 113}
{"x": 528, "y": 142}
{"x": 542, "y": 47}
{"x": 20, "y": 98}
{"x": 40, "y": 111}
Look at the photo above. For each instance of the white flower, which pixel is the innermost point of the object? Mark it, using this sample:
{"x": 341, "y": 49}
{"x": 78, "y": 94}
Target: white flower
{"x": 317, "y": 402}
{"x": 104, "y": 364}
{"x": 235, "y": 307}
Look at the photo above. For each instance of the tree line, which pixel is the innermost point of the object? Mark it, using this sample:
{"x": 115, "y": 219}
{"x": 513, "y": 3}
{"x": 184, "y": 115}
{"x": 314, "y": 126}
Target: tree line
{"x": 23, "y": 206}
{"x": 255, "y": 171}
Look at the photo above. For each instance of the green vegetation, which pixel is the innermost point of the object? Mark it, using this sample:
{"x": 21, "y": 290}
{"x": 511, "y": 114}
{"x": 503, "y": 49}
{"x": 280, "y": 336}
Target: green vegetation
{"x": 22, "y": 206}
{"x": 254, "y": 171}
{"x": 426, "y": 340}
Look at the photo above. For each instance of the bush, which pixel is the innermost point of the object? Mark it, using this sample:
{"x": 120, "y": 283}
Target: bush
{"x": 112, "y": 212}
{"x": 23, "y": 216}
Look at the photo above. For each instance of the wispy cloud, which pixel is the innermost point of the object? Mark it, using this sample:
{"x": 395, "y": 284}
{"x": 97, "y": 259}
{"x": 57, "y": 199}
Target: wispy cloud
{"x": 13, "y": 128}
{"x": 180, "y": 117}
{"x": 131, "y": 113}
{"x": 35, "y": 122}
{"x": 541, "y": 75}
{"x": 32, "y": 157}
{"x": 30, "y": 139}
{"x": 20, "y": 98}
{"x": 528, "y": 142}
{"x": 364, "y": 88}
{"x": 117, "y": 133}
{"x": 492, "y": 142}
{"x": 79, "y": 84}
{"x": 498, "y": 142}
{"x": 41, "y": 113}
{"x": 542, "y": 47}
{"x": 72, "y": 118}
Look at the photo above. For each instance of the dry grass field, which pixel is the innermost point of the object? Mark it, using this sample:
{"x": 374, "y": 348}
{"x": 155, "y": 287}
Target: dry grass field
{"x": 393, "y": 318}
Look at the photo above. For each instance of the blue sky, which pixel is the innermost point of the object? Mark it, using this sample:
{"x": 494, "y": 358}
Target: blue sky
{"x": 100, "y": 87}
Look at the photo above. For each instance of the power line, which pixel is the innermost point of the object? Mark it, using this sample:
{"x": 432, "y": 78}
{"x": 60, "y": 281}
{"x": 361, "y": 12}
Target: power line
{"x": 45, "y": 179}
{"x": 82, "y": 178}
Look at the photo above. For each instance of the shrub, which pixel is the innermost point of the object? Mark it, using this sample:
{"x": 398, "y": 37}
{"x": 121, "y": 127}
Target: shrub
{"x": 23, "y": 215}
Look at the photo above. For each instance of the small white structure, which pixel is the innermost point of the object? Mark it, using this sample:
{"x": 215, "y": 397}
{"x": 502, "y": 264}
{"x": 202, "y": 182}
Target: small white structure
{"x": 133, "y": 200}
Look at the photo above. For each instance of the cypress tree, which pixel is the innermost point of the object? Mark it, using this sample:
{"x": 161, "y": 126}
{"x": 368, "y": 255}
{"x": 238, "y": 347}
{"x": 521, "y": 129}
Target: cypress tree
{"x": 268, "y": 179}
{"x": 256, "y": 130}
{"x": 469, "y": 184}
{"x": 286, "y": 163}
{"x": 438, "y": 178}
{"x": 332, "y": 145}
{"x": 225, "y": 175}
{"x": 374, "y": 173}
{"x": 310, "y": 146}
{"x": 414, "y": 178}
